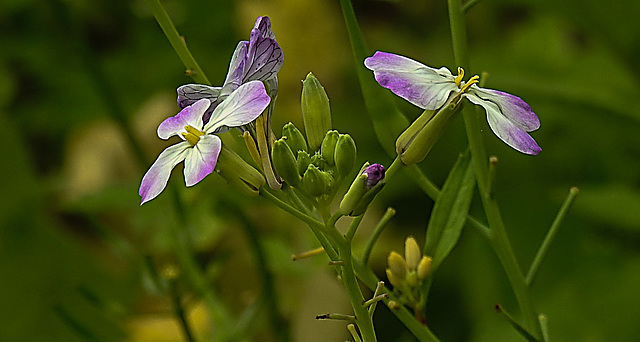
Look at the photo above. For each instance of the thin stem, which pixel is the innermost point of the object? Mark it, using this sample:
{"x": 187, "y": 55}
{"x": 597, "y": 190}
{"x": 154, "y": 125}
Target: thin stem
{"x": 317, "y": 228}
{"x": 546, "y": 243}
{"x": 350, "y": 282}
{"x": 499, "y": 241}
{"x": 469, "y": 4}
{"x": 179, "y": 311}
{"x": 394, "y": 167}
{"x": 376, "y": 234}
{"x": 177, "y": 42}
{"x": 419, "y": 330}
{"x": 353, "y": 227}
{"x": 291, "y": 210}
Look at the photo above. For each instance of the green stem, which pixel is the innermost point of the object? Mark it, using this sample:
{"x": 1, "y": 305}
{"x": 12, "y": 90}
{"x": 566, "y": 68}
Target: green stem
{"x": 348, "y": 276}
{"x": 419, "y": 330}
{"x": 376, "y": 234}
{"x": 353, "y": 227}
{"x": 177, "y": 42}
{"x": 546, "y": 243}
{"x": 500, "y": 241}
{"x": 394, "y": 167}
{"x": 317, "y": 228}
{"x": 179, "y": 311}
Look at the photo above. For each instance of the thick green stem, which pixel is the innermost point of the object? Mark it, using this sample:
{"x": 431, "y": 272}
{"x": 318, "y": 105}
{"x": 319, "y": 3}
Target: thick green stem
{"x": 500, "y": 241}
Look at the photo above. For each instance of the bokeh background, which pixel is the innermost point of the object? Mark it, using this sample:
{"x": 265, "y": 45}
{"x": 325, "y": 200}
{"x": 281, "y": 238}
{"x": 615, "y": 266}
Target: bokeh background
{"x": 78, "y": 253}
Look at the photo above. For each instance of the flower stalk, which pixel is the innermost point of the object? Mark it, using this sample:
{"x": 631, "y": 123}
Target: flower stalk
{"x": 499, "y": 238}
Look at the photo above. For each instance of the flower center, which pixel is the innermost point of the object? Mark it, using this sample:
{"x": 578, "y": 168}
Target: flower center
{"x": 465, "y": 86}
{"x": 192, "y": 136}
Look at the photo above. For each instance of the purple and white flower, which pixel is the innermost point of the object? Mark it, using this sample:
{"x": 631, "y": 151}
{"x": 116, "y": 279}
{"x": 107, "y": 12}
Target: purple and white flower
{"x": 509, "y": 117}
{"x": 200, "y": 147}
{"x": 258, "y": 59}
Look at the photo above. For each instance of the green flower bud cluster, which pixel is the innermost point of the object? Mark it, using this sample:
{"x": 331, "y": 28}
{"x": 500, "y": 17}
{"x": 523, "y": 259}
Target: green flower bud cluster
{"x": 408, "y": 274}
{"x": 316, "y": 171}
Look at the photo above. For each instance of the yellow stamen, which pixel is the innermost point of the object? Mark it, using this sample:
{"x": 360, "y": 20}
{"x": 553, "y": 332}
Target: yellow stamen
{"x": 460, "y": 76}
{"x": 473, "y": 80}
{"x": 193, "y": 135}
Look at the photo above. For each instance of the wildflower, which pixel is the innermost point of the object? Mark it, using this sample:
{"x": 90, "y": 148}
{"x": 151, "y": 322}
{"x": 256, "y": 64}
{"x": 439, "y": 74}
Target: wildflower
{"x": 200, "y": 148}
{"x": 258, "y": 59}
{"x": 509, "y": 117}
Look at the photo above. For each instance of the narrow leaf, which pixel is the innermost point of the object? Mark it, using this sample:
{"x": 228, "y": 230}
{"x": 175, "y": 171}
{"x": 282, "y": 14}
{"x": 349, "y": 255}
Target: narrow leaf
{"x": 388, "y": 121}
{"x": 450, "y": 211}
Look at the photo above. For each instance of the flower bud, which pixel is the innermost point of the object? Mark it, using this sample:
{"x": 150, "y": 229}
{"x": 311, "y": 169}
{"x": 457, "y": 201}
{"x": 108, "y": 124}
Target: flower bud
{"x": 237, "y": 172}
{"x": 284, "y": 162}
{"x": 393, "y": 279}
{"x": 316, "y": 182}
{"x": 316, "y": 113}
{"x": 416, "y": 142}
{"x": 353, "y": 196}
{"x": 412, "y": 253}
{"x": 345, "y": 155}
{"x": 294, "y": 137}
{"x": 303, "y": 161}
{"x": 328, "y": 147}
{"x": 424, "y": 267}
{"x": 363, "y": 190}
{"x": 397, "y": 265}
{"x": 318, "y": 161}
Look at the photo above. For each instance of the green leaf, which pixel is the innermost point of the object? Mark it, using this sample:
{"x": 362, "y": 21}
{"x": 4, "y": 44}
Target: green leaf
{"x": 388, "y": 121}
{"x": 450, "y": 211}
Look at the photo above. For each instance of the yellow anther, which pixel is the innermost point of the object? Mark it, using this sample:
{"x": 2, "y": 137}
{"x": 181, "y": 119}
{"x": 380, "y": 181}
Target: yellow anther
{"x": 460, "y": 76}
{"x": 193, "y": 135}
{"x": 473, "y": 80}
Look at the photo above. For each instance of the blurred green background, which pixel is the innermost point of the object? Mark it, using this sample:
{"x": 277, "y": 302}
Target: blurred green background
{"x": 77, "y": 252}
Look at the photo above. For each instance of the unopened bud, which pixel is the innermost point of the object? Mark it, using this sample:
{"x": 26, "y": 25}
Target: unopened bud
{"x": 316, "y": 182}
{"x": 318, "y": 160}
{"x": 328, "y": 147}
{"x": 237, "y": 172}
{"x": 353, "y": 196}
{"x": 424, "y": 267}
{"x": 393, "y": 279}
{"x": 412, "y": 253}
{"x": 375, "y": 173}
{"x": 397, "y": 265}
{"x": 284, "y": 162}
{"x": 316, "y": 113}
{"x": 303, "y": 160}
{"x": 345, "y": 155}
{"x": 294, "y": 138}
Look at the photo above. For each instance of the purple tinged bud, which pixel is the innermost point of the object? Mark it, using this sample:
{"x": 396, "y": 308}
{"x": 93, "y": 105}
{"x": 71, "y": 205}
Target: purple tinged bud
{"x": 375, "y": 173}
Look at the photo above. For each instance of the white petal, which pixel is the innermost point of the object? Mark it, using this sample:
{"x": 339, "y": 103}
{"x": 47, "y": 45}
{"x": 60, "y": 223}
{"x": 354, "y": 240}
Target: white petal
{"x": 423, "y": 86}
{"x": 510, "y": 106}
{"x": 201, "y": 159}
{"x": 155, "y": 180}
{"x": 244, "y": 105}
{"x": 190, "y": 115}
